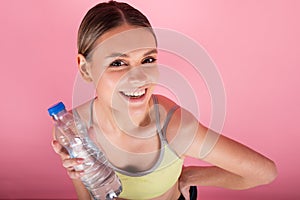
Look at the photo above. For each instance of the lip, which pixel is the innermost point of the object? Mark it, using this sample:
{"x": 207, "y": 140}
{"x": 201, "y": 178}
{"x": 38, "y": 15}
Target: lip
{"x": 135, "y": 100}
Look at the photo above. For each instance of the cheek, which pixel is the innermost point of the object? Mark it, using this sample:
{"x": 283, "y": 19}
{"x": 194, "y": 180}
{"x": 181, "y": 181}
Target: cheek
{"x": 152, "y": 74}
{"x": 107, "y": 84}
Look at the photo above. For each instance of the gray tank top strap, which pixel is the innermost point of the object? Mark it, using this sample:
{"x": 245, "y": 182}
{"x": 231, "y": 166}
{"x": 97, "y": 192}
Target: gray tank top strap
{"x": 75, "y": 113}
{"x": 91, "y": 113}
{"x": 162, "y": 131}
{"x": 168, "y": 119}
{"x": 157, "y": 116}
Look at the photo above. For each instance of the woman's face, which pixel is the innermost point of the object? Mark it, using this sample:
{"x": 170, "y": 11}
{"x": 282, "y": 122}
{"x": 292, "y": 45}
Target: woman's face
{"x": 124, "y": 69}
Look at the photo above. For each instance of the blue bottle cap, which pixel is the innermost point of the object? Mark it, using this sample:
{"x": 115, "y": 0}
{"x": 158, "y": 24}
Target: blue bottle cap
{"x": 53, "y": 110}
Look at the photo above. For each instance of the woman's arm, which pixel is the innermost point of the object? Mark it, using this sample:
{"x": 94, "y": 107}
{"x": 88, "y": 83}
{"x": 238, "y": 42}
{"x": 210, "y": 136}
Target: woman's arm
{"x": 81, "y": 191}
{"x": 235, "y": 166}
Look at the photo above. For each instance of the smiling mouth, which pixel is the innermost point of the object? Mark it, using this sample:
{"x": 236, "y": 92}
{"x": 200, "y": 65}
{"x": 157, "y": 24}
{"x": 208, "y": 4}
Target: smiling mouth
{"x": 136, "y": 94}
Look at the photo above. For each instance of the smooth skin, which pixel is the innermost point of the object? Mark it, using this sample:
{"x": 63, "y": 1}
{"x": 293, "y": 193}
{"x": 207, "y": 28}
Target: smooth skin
{"x": 234, "y": 166}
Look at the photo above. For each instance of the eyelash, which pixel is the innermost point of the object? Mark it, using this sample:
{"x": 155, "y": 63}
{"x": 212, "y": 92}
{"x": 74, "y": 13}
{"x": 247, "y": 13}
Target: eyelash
{"x": 120, "y": 63}
{"x": 149, "y": 58}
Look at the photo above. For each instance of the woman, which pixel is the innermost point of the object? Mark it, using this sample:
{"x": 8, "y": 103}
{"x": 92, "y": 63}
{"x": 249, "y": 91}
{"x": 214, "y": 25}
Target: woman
{"x": 145, "y": 136}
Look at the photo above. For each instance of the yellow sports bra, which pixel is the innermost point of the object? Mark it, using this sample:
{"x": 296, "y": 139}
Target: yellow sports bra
{"x": 162, "y": 175}
{"x": 154, "y": 183}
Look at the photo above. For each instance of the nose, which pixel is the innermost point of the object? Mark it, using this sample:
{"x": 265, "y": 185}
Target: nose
{"x": 137, "y": 77}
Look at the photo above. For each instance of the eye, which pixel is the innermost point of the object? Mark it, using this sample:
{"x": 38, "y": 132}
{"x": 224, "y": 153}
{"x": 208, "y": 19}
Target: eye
{"x": 117, "y": 63}
{"x": 148, "y": 60}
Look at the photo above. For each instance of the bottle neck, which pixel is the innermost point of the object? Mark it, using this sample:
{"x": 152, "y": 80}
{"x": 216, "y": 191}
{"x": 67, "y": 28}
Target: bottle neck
{"x": 59, "y": 115}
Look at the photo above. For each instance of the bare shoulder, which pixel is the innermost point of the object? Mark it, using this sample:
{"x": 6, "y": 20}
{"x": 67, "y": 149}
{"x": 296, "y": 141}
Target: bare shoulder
{"x": 84, "y": 110}
{"x": 188, "y": 137}
{"x": 165, "y": 101}
{"x": 183, "y": 128}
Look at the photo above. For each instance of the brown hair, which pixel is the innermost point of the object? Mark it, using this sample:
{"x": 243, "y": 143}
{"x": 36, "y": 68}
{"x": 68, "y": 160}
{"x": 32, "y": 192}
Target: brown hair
{"x": 102, "y": 18}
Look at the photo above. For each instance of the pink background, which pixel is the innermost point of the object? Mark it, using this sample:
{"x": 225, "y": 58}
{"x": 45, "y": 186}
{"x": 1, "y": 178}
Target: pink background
{"x": 255, "y": 45}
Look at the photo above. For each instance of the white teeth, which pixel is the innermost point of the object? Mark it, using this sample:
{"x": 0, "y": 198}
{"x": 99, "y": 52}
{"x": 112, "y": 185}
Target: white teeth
{"x": 135, "y": 94}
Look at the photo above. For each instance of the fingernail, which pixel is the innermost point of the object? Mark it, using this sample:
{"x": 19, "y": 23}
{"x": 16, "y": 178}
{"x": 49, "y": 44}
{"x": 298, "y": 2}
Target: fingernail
{"x": 53, "y": 143}
{"x": 79, "y": 160}
{"x": 81, "y": 173}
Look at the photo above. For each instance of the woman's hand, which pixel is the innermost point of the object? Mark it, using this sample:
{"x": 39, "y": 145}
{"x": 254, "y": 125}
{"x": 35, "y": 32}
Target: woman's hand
{"x": 68, "y": 162}
{"x": 184, "y": 182}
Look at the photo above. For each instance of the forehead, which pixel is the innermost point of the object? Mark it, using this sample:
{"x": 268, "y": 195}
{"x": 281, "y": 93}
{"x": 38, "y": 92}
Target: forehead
{"x": 124, "y": 40}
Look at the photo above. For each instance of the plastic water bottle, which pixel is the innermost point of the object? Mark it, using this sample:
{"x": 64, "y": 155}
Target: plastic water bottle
{"x": 99, "y": 178}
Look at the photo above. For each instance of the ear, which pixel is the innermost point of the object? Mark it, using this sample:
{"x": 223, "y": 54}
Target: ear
{"x": 84, "y": 68}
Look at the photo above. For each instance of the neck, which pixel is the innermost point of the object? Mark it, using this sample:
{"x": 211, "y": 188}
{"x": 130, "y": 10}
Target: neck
{"x": 122, "y": 121}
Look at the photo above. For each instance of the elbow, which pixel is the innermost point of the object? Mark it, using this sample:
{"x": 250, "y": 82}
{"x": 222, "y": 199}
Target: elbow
{"x": 270, "y": 174}
{"x": 263, "y": 177}
{"x": 266, "y": 176}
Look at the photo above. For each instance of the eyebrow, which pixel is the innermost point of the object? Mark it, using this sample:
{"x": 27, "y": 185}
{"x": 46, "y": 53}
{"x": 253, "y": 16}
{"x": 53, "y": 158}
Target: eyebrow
{"x": 125, "y": 55}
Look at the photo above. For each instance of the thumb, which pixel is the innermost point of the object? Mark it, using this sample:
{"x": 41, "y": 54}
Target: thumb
{"x": 186, "y": 193}
{"x": 59, "y": 149}
{"x": 56, "y": 146}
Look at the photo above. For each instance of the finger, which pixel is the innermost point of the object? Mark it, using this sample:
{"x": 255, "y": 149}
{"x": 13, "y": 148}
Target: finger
{"x": 75, "y": 174}
{"x": 69, "y": 163}
{"x": 186, "y": 192}
{"x": 59, "y": 149}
